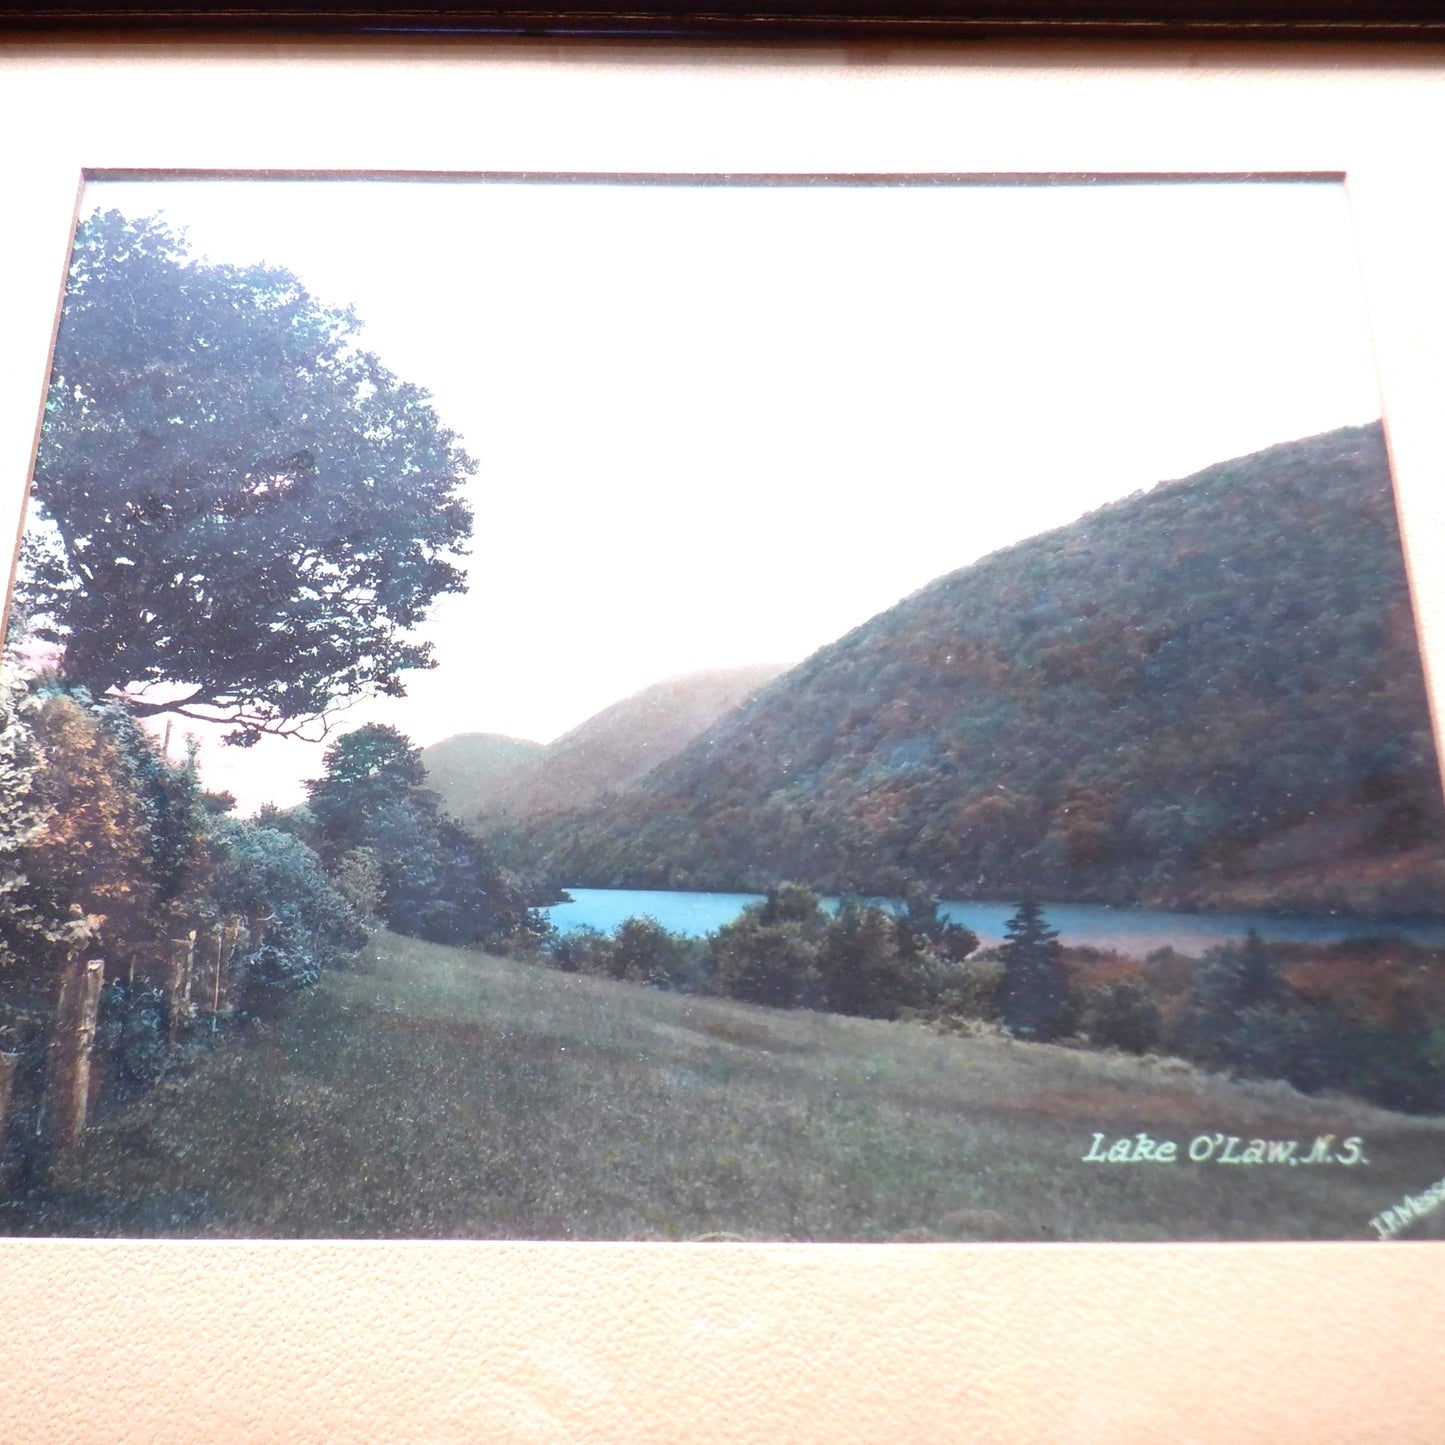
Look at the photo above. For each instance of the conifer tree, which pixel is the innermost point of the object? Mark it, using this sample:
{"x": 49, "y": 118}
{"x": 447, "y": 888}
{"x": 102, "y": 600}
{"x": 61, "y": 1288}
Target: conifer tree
{"x": 1032, "y": 993}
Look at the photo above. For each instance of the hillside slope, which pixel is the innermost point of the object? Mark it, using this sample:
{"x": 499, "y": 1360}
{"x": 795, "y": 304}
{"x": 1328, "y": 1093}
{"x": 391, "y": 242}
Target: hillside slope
{"x": 613, "y": 749}
{"x": 461, "y": 767}
{"x": 1205, "y": 694}
{"x": 435, "y": 1093}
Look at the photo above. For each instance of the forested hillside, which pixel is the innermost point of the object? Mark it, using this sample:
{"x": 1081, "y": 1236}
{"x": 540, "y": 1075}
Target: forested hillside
{"x": 1209, "y": 693}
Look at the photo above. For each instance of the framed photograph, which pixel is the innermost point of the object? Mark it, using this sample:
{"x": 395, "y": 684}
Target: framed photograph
{"x": 671, "y": 700}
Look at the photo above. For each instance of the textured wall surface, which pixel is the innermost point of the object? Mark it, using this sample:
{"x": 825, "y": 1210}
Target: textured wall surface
{"x": 459, "y": 1342}
{"x": 722, "y": 1343}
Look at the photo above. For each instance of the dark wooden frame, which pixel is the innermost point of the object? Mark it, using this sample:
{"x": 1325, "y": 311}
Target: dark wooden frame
{"x": 769, "y": 21}
{"x": 1154, "y": 1334}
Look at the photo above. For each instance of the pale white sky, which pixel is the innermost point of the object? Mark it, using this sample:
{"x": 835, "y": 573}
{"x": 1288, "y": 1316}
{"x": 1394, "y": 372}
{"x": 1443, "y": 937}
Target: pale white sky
{"x": 723, "y": 424}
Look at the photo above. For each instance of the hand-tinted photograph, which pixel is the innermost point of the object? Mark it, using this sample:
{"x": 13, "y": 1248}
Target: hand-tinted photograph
{"x": 760, "y": 710}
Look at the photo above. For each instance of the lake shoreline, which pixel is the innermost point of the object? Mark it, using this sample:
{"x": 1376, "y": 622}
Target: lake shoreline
{"x": 1125, "y": 929}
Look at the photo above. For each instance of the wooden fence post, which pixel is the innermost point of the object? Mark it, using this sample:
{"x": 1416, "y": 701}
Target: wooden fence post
{"x": 231, "y": 931}
{"x": 221, "y": 945}
{"x": 68, "y": 1083}
{"x": 178, "y": 984}
{"x": 8, "y": 1065}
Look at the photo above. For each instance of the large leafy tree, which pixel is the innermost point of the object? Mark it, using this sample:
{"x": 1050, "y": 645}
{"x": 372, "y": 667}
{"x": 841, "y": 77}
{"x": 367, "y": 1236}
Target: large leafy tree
{"x": 247, "y": 513}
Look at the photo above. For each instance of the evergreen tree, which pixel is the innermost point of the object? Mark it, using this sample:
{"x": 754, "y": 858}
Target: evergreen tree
{"x": 1032, "y": 993}
{"x": 1256, "y": 978}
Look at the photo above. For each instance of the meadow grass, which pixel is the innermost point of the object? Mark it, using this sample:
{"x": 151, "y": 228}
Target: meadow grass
{"x": 434, "y": 1092}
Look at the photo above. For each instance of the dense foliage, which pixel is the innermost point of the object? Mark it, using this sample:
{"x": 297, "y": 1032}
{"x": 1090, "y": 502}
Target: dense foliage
{"x": 1208, "y": 693}
{"x": 122, "y": 855}
{"x": 310, "y": 925}
{"x": 639, "y": 950}
{"x": 22, "y": 816}
{"x": 1364, "y": 1017}
{"x": 110, "y": 851}
{"x": 384, "y": 837}
{"x": 241, "y": 513}
{"x": 788, "y": 951}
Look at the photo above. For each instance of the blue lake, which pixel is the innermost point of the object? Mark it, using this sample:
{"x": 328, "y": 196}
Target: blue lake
{"x": 1134, "y": 931}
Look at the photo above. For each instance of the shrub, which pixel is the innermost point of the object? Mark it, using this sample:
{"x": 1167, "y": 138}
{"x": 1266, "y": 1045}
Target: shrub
{"x": 1234, "y": 1009}
{"x": 92, "y": 857}
{"x": 876, "y": 965}
{"x": 261, "y": 871}
{"x": 643, "y": 951}
{"x": 769, "y": 954}
{"x": 358, "y": 879}
{"x": 971, "y": 992}
{"x": 1121, "y": 1015}
{"x": 132, "y": 1031}
{"x": 921, "y": 927}
{"x": 22, "y": 815}
{"x": 583, "y": 950}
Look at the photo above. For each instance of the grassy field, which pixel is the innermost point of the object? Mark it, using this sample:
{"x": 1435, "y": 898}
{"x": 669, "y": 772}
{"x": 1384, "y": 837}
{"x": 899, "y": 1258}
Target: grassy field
{"x": 432, "y": 1092}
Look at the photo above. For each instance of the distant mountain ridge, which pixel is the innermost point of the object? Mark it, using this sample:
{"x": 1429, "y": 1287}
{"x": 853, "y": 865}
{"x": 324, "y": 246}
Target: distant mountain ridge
{"x": 467, "y": 763}
{"x": 1207, "y": 694}
{"x": 609, "y": 752}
